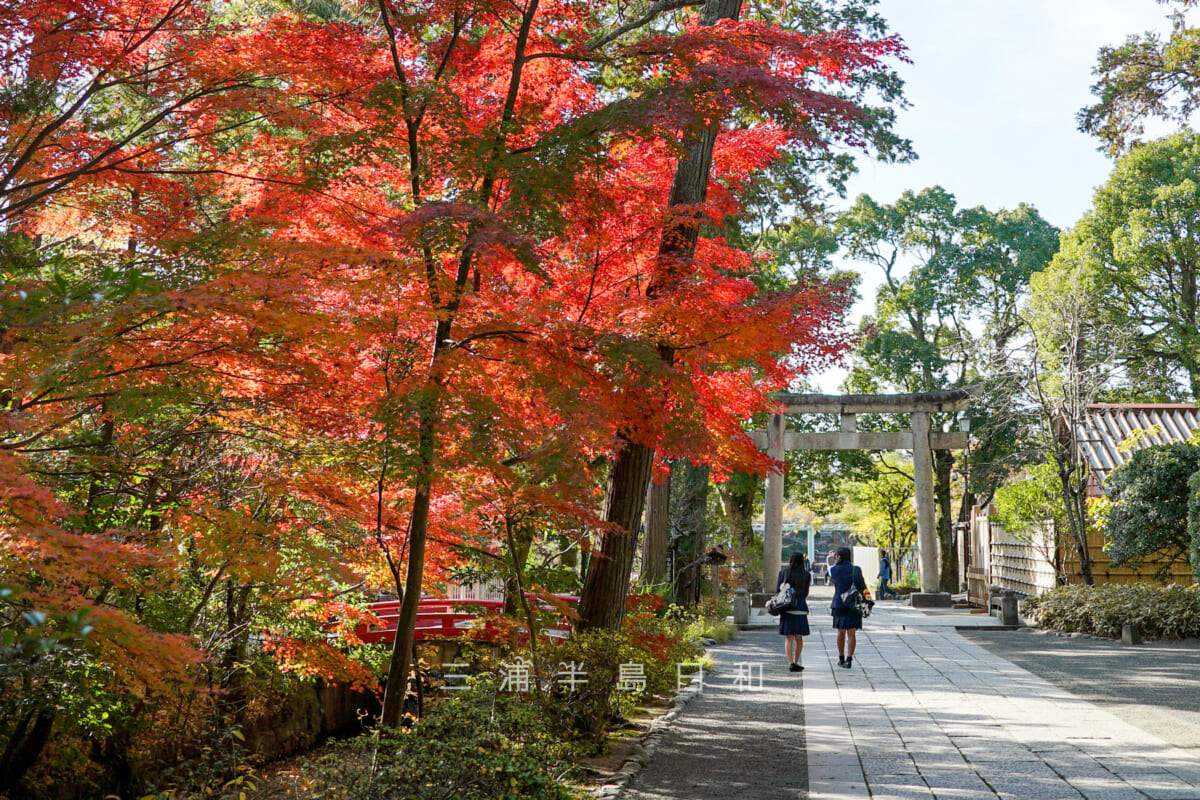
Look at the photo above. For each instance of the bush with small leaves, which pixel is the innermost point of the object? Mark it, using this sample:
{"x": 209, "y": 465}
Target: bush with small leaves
{"x": 1160, "y": 612}
{"x": 1149, "y": 513}
{"x": 476, "y": 746}
{"x": 1193, "y": 521}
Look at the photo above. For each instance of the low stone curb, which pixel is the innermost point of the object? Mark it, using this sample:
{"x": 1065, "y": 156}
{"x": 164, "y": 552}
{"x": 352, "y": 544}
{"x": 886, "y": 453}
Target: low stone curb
{"x": 1071, "y": 635}
{"x": 643, "y": 752}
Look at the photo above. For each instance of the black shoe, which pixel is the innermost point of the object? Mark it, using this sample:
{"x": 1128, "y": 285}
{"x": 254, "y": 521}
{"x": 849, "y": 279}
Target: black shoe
{"x": 841, "y": 661}
{"x": 795, "y": 668}
{"x": 848, "y": 660}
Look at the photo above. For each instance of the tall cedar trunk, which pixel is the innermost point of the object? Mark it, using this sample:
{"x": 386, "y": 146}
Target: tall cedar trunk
{"x": 602, "y": 603}
{"x": 689, "y": 517}
{"x": 654, "y": 551}
{"x": 737, "y": 496}
{"x": 943, "y": 466}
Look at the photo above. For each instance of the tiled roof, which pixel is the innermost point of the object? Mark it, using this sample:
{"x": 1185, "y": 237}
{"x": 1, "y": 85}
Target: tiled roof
{"x": 1108, "y": 425}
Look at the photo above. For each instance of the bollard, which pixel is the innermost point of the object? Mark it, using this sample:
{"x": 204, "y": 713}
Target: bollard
{"x": 741, "y": 606}
{"x": 1008, "y": 608}
{"x": 994, "y": 593}
{"x": 1131, "y": 633}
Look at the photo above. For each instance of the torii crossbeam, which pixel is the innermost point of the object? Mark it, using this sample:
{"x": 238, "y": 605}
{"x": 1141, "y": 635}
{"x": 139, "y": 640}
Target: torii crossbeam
{"x": 776, "y": 441}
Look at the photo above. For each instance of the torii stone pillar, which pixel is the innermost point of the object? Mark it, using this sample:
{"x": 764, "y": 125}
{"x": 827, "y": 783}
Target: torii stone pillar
{"x": 773, "y": 523}
{"x": 776, "y": 440}
{"x": 927, "y": 543}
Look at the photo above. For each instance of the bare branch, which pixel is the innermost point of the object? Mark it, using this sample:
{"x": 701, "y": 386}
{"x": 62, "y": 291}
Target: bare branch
{"x": 652, "y": 13}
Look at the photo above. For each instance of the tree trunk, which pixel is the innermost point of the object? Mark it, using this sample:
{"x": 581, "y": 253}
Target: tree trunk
{"x": 1079, "y": 523}
{"x": 1077, "y": 518}
{"x": 602, "y": 603}
{"x": 1074, "y": 493}
{"x": 738, "y": 496}
{"x": 689, "y": 517}
{"x": 943, "y": 466}
{"x": 25, "y": 746}
{"x": 233, "y": 669}
{"x": 429, "y": 411}
{"x": 520, "y": 541}
{"x": 418, "y": 526}
{"x": 654, "y": 551}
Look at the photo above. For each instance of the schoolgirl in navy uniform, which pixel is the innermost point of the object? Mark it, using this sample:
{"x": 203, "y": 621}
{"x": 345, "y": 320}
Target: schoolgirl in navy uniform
{"x": 847, "y": 621}
{"x": 793, "y": 624}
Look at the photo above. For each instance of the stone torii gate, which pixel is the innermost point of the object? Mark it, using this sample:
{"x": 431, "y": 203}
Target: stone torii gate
{"x": 776, "y": 441}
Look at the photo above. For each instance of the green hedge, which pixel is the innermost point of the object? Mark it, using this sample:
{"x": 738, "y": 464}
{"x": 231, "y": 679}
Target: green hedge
{"x": 1161, "y": 612}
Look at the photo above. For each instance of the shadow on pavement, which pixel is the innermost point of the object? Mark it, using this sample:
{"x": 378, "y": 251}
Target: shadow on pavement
{"x": 1153, "y": 686}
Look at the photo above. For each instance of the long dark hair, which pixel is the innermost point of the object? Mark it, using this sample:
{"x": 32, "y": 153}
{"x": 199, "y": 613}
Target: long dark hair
{"x": 844, "y": 555}
{"x": 798, "y": 575}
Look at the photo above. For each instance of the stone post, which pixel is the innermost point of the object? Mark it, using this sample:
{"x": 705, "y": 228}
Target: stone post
{"x": 1008, "y": 608}
{"x": 773, "y": 516}
{"x": 741, "y": 606}
{"x": 927, "y": 543}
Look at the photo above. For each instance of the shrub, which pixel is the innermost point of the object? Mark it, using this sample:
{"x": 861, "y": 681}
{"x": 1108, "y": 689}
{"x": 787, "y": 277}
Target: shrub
{"x": 219, "y": 772}
{"x": 718, "y": 630}
{"x": 1193, "y": 517}
{"x": 1149, "y": 513}
{"x": 475, "y": 746}
{"x": 1161, "y": 612}
{"x": 589, "y": 708}
{"x": 654, "y": 639}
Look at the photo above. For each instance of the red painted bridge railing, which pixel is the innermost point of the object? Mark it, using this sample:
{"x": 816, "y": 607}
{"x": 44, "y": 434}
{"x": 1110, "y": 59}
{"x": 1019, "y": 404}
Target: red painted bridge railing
{"x": 442, "y": 618}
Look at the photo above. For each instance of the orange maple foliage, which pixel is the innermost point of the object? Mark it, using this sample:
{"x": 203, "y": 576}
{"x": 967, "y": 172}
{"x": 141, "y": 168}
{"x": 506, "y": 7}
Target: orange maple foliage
{"x": 351, "y": 287}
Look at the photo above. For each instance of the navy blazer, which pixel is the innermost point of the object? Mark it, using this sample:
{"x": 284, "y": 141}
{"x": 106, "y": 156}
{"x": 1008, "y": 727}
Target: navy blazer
{"x": 801, "y": 590}
{"x": 843, "y": 576}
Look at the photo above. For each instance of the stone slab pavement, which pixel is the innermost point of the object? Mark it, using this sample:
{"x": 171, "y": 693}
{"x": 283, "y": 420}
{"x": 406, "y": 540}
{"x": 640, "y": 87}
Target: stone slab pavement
{"x": 926, "y": 713}
{"x": 1153, "y": 686}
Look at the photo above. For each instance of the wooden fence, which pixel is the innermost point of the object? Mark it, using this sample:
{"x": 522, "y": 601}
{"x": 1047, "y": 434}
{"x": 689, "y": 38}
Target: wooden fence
{"x": 1104, "y": 571}
{"x": 1026, "y": 564}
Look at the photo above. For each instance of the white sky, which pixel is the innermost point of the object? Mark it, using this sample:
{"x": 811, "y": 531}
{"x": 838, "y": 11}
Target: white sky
{"x": 994, "y": 89}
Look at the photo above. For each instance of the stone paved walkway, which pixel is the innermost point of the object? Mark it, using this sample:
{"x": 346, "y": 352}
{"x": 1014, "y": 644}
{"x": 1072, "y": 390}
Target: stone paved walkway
{"x": 924, "y": 714}
{"x": 1154, "y": 686}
